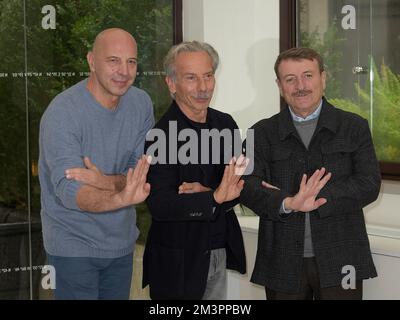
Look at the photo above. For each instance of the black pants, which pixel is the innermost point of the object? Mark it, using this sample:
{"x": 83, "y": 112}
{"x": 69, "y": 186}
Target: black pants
{"x": 311, "y": 289}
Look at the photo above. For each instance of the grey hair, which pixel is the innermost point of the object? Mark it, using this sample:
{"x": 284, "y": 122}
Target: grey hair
{"x": 188, "y": 46}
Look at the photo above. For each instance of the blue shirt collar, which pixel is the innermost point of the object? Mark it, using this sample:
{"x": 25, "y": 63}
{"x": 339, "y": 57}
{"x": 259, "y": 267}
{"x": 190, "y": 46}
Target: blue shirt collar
{"x": 312, "y": 116}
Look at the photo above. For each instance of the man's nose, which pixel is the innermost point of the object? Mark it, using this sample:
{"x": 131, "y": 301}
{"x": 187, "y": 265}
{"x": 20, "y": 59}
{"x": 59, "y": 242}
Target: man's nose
{"x": 124, "y": 68}
{"x": 300, "y": 83}
{"x": 202, "y": 85}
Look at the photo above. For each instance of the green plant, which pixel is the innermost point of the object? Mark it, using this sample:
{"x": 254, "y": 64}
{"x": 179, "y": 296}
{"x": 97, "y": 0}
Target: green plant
{"x": 382, "y": 108}
{"x": 329, "y": 47}
{"x": 64, "y": 50}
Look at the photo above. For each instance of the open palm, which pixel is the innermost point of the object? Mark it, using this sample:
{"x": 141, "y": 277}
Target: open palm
{"x": 305, "y": 200}
{"x": 136, "y": 189}
{"x": 231, "y": 184}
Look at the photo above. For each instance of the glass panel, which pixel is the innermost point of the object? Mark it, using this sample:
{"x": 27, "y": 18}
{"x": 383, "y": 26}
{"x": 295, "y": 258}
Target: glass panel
{"x": 32, "y": 72}
{"x": 385, "y": 63}
{"x": 14, "y": 204}
{"x": 359, "y": 40}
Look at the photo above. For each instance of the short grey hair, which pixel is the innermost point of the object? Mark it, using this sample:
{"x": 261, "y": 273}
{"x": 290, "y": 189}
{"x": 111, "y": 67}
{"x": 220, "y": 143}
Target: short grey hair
{"x": 188, "y": 46}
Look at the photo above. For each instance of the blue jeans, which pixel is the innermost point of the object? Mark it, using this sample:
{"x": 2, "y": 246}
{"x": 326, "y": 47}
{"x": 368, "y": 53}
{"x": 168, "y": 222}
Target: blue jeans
{"x": 92, "y": 278}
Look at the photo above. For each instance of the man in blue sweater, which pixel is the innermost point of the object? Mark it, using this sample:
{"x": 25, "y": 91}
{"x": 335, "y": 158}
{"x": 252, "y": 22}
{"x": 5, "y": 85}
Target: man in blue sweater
{"x": 91, "y": 137}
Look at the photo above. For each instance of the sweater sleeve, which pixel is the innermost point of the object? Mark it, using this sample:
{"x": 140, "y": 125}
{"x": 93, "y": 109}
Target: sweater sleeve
{"x": 146, "y": 125}
{"x": 61, "y": 149}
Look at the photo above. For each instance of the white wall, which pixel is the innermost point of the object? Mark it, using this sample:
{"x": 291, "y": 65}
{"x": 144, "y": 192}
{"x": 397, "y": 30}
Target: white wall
{"x": 386, "y": 210}
{"x": 246, "y": 35}
{"x": 385, "y": 253}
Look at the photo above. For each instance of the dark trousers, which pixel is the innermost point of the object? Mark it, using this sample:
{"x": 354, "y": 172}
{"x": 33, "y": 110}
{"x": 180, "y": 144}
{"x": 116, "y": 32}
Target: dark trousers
{"x": 311, "y": 289}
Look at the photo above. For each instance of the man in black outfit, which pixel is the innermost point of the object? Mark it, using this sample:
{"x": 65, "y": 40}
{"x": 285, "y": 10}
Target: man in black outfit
{"x": 315, "y": 169}
{"x": 194, "y": 235}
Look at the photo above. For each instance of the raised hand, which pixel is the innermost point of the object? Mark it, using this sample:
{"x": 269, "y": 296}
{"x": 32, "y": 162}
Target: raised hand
{"x": 192, "y": 187}
{"x": 136, "y": 189}
{"x": 231, "y": 185}
{"x": 305, "y": 200}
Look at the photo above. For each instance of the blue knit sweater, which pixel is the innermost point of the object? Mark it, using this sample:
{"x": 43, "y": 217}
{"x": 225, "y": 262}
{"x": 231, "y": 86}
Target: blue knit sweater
{"x": 73, "y": 126}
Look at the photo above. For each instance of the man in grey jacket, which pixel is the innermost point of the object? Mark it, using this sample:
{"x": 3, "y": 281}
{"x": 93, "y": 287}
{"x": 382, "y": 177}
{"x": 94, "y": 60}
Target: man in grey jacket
{"x": 315, "y": 169}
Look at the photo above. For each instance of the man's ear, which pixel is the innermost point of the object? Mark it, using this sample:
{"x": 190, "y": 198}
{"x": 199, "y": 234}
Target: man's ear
{"x": 90, "y": 60}
{"x": 323, "y": 76}
{"x": 171, "y": 84}
{"x": 279, "y": 86}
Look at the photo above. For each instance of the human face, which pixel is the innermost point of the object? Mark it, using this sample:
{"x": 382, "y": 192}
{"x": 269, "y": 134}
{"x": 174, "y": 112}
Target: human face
{"x": 113, "y": 66}
{"x": 194, "y": 84}
{"x": 301, "y": 84}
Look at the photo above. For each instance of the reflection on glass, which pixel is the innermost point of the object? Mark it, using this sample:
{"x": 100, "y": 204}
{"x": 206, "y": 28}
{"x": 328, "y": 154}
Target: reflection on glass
{"x": 359, "y": 41}
{"x": 34, "y": 67}
{"x": 14, "y": 232}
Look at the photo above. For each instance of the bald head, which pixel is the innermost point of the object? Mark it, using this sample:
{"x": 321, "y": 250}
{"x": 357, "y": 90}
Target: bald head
{"x": 113, "y": 65}
{"x": 112, "y": 35}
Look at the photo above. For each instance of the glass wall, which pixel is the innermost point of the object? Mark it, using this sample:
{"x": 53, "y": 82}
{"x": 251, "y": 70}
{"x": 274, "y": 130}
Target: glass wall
{"x": 43, "y": 46}
{"x": 359, "y": 40}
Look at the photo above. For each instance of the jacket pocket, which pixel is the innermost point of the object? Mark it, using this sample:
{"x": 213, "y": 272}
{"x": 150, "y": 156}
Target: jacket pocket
{"x": 337, "y": 158}
{"x": 279, "y": 154}
{"x": 166, "y": 274}
{"x": 281, "y": 167}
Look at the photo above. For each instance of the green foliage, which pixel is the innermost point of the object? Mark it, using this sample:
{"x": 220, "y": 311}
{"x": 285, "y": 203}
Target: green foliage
{"x": 381, "y": 106}
{"x": 329, "y": 47}
{"x": 385, "y": 103}
{"x": 350, "y": 106}
{"x": 64, "y": 50}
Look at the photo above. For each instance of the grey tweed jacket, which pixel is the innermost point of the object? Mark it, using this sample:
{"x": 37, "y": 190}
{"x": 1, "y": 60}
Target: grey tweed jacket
{"x": 342, "y": 144}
